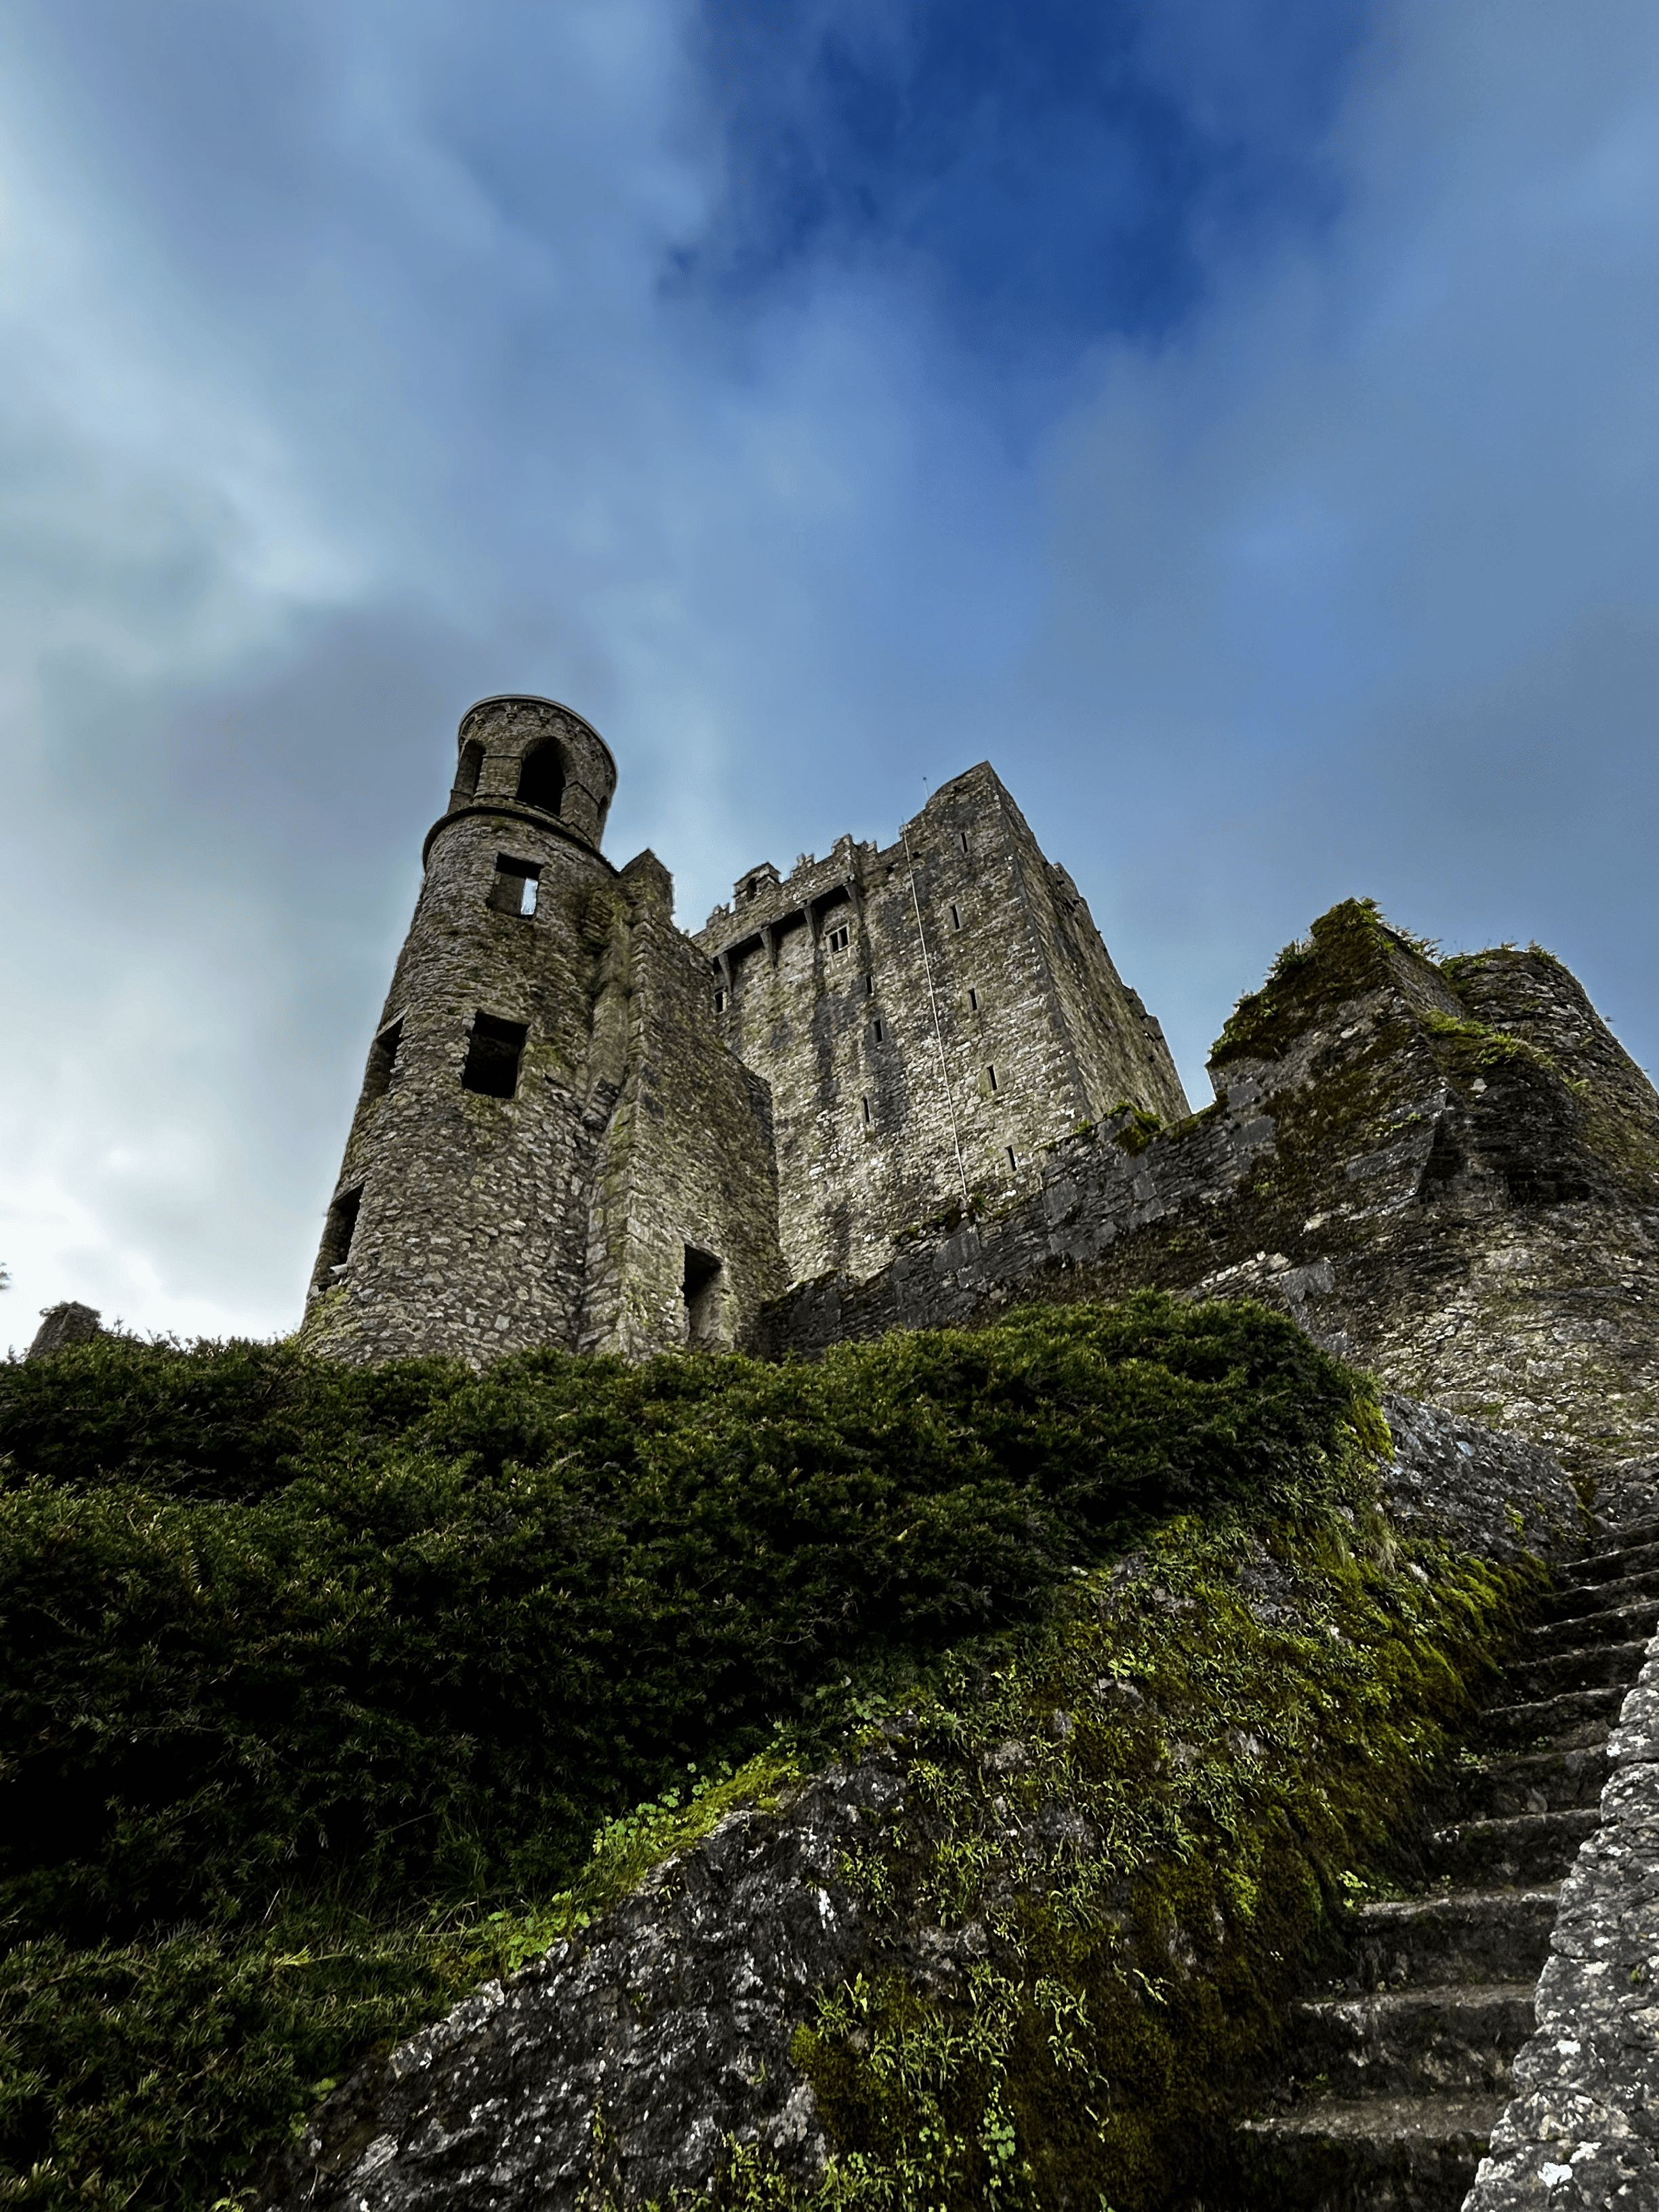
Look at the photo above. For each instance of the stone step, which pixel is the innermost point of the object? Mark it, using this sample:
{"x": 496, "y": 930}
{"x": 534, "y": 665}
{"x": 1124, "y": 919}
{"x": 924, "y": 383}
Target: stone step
{"x": 1557, "y": 1724}
{"x": 1623, "y": 1624}
{"x": 1527, "y": 1782}
{"x": 1580, "y": 1667}
{"x": 1614, "y": 1566}
{"x": 1521, "y": 1851}
{"x": 1397, "y": 2153}
{"x": 1635, "y": 1535}
{"x": 1458, "y": 2041}
{"x": 1597, "y": 1597}
{"x": 1458, "y": 1935}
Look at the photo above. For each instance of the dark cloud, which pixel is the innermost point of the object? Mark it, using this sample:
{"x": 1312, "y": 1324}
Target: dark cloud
{"x": 1048, "y": 175}
{"x": 362, "y": 359}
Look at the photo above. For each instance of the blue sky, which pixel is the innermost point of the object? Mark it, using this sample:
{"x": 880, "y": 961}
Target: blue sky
{"x": 1238, "y": 422}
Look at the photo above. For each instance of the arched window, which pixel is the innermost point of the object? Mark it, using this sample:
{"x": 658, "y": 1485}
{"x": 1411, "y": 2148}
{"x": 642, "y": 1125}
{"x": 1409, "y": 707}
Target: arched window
{"x": 466, "y": 772}
{"x": 541, "y": 780}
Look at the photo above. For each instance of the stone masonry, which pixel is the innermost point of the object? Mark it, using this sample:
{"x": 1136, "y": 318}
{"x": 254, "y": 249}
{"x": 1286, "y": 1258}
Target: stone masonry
{"x": 581, "y": 1127}
{"x": 929, "y": 1016}
{"x": 1448, "y": 1171}
{"x": 553, "y": 1145}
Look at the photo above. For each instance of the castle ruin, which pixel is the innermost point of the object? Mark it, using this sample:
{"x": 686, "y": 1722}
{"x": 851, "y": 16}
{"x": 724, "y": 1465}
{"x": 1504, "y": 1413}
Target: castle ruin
{"x": 902, "y": 1086}
{"x": 581, "y": 1126}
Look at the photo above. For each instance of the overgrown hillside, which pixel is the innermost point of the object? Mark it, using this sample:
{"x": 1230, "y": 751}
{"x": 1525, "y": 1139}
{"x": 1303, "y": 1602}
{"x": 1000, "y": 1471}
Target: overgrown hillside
{"x": 316, "y": 1684}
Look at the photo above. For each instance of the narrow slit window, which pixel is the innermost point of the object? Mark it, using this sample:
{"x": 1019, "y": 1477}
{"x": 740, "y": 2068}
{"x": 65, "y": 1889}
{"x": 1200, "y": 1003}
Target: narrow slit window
{"x": 514, "y": 889}
{"x": 839, "y": 938}
{"x": 973, "y": 1001}
{"x": 990, "y": 1077}
{"x": 869, "y": 987}
{"x": 877, "y": 1032}
{"x": 956, "y": 917}
{"x": 382, "y": 1055}
{"x": 720, "y": 1002}
{"x": 704, "y": 1285}
{"x": 963, "y": 839}
{"x": 1013, "y": 1163}
{"x": 337, "y": 1232}
{"x": 865, "y": 1103}
{"x": 493, "y": 1054}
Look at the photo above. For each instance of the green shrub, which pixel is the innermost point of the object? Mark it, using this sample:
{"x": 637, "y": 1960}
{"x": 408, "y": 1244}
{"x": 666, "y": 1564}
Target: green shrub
{"x": 288, "y": 1648}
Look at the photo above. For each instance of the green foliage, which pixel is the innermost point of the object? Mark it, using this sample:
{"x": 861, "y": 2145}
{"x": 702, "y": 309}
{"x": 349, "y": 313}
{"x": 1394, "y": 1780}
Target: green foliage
{"x": 280, "y": 1642}
{"x": 1138, "y": 1128}
{"x": 1346, "y": 954}
{"x": 1153, "y": 1811}
{"x": 1479, "y": 1045}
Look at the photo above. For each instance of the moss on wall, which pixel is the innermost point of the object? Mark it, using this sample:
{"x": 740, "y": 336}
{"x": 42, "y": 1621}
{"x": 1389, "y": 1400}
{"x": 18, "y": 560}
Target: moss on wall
{"x": 278, "y": 1639}
{"x": 1134, "y": 1831}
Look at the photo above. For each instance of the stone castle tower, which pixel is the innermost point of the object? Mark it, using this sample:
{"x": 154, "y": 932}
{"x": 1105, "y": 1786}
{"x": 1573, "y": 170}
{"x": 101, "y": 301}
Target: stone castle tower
{"x": 579, "y": 1126}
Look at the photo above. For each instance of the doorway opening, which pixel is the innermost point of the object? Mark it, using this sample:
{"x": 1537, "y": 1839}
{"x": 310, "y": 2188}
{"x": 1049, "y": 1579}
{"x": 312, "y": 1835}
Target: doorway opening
{"x": 705, "y": 1301}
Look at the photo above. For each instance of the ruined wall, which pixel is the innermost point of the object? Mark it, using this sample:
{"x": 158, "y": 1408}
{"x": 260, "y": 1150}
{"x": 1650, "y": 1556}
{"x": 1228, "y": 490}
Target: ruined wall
{"x": 1450, "y": 1172}
{"x": 684, "y": 1239}
{"x": 926, "y": 1014}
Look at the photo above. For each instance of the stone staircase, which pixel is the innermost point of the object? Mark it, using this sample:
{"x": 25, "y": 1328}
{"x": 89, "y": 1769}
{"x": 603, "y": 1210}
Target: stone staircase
{"x": 1400, "y": 2071}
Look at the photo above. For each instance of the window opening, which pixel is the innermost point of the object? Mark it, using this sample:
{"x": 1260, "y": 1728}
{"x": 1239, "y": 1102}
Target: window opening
{"x": 990, "y": 1077}
{"x": 865, "y": 1103}
{"x": 838, "y": 938}
{"x": 973, "y": 1000}
{"x": 338, "y": 1230}
{"x": 467, "y": 769}
{"x": 704, "y": 1282}
{"x": 956, "y": 917}
{"x": 514, "y": 890}
{"x": 720, "y": 1002}
{"x": 541, "y": 779}
{"x": 492, "y": 1056}
{"x": 1013, "y": 1162}
{"x": 877, "y": 1032}
{"x": 382, "y": 1054}
{"x": 963, "y": 839}
{"x": 869, "y": 987}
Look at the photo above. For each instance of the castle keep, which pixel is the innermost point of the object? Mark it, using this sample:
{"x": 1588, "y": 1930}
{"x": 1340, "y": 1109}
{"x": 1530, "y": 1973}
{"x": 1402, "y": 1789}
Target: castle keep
{"x": 581, "y": 1126}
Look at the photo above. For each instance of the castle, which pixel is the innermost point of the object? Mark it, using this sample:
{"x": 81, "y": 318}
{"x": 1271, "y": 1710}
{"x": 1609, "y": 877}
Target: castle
{"x": 581, "y": 1126}
{"x": 903, "y": 1086}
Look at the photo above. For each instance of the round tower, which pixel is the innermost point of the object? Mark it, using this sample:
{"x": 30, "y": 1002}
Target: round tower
{"x": 459, "y": 1221}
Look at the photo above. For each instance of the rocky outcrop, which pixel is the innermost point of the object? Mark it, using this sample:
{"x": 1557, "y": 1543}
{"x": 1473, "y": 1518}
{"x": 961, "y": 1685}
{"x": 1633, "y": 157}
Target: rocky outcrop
{"x": 61, "y": 1325}
{"x": 629, "y": 2059}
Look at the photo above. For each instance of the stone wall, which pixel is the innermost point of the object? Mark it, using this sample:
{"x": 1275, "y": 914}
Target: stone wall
{"x": 1449, "y": 1173}
{"x": 683, "y": 1236}
{"x": 928, "y": 1016}
{"x": 1582, "y": 2135}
